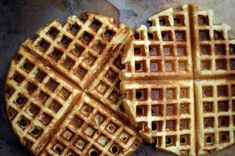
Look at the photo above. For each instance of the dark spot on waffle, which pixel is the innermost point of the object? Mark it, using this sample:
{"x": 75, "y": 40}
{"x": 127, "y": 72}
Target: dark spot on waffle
{"x": 156, "y": 94}
{"x": 111, "y": 75}
{"x": 66, "y": 41}
{"x": 141, "y": 110}
{"x": 139, "y": 66}
{"x": 149, "y": 24}
{"x": 58, "y": 148}
{"x": 150, "y": 36}
{"x": 118, "y": 63}
{"x": 137, "y": 36}
{"x": 31, "y": 87}
{"x": 208, "y": 122}
{"x": 68, "y": 63}
{"x": 9, "y": 90}
{"x": 180, "y": 35}
{"x": 168, "y": 140}
{"x": 74, "y": 28}
{"x": 45, "y": 119}
{"x": 78, "y": 49}
{"x": 232, "y": 49}
{"x": 154, "y": 50}
{"x": 81, "y": 72}
{"x": 52, "y": 84}
{"x": 171, "y": 125}
{"x": 184, "y": 124}
{"x": 222, "y": 90}
{"x": 171, "y": 109}
{"x": 34, "y": 109}
{"x": 21, "y": 100}
{"x": 65, "y": 93}
{"x": 53, "y": 32}
{"x": 207, "y": 91}
{"x": 208, "y": 107}
{"x": 155, "y": 66}
{"x": 208, "y": 139}
{"x": 40, "y": 75}
{"x": 168, "y": 50}
{"x": 83, "y": 17}
{"x": 204, "y": 35}
{"x": 179, "y": 20}
{"x": 55, "y": 106}
{"x": 36, "y": 131}
{"x": 218, "y": 35}
{"x": 114, "y": 149}
{"x": 170, "y": 93}
{"x": 18, "y": 78}
{"x": 76, "y": 122}
{"x": 138, "y": 94}
{"x": 23, "y": 122}
{"x": 11, "y": 113}
{"x": 43, "y": 97}
{"x": 203, "y": 20}
{"x": 154, "y": 126}
{"x": 56, "y": 54}
{"x": 96, "y": 24}
{"x": 233, "y": 90}
{"x": 109, "y": 34}
{"x": 162, "y": 22}
{"x": 87, "y": 37}
{"x": 137, "y": 50}
{"x": 166, "y": 36}
{"x": 205, "y": 49}
{"x": 206, "y": 64}
{"x": 17, "y": 58}
{"x": 232, "y": 64}
{"x": 182, "y": 140}
{"x": 184, "y": 108}
{"x": 93, "y": 153}
{"x": 224, "y": 137}
{"x": 157, "y": 110}
{"x": 99, "y": 46}
{"x": 220, "y": 49}
{"x": 28, "y": 66}
{"x": 44, "y": 45}
{"x": 224, "y": 121}
{"x": 99, "y": 119}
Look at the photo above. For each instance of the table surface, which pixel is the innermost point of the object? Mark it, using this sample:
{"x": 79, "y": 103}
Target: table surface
{"x": 20, "y": 19}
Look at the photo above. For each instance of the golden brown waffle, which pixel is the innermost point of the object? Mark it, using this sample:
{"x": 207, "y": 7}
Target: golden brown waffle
{"x": 62, "y": 89}
{"x": 179, "y": 82}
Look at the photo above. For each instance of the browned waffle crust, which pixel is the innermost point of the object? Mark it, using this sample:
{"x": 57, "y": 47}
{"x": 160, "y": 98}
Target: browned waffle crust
{"x": 62, "y": 89}
{"x": 179, "y": 82}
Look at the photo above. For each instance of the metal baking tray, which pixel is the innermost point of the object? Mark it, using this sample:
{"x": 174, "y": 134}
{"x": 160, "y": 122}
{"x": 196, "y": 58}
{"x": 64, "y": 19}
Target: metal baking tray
{"x": 20, "y": 19}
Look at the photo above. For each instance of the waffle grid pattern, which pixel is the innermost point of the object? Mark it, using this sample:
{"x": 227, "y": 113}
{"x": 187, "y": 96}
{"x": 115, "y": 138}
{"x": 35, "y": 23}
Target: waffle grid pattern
{"x": 98, "y": 129}
{"x": 141, "y": 80}
{"x": 44, "y": 94}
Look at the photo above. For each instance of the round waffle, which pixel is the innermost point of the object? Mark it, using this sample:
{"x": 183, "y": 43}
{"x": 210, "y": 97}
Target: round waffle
{"x": 62, "y": 89}
{"x": 179, "y": 82}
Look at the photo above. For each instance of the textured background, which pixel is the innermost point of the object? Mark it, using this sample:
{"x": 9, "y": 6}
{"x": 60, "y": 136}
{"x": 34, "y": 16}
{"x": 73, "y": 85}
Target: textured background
{"x": 19, "y": 19}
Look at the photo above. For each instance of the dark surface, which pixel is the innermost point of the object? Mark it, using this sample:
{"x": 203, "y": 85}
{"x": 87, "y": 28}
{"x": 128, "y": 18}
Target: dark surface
{"x": 20, "y": 19}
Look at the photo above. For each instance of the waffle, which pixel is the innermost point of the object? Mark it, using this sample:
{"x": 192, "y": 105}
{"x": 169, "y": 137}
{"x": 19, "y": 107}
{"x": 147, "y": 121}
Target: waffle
{"x": 179, "y": 82}
{"x": 62, "y": 89}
